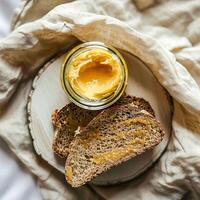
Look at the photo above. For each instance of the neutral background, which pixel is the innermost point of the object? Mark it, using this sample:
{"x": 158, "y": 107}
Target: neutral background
{"x": 175, "y": 24}
{"x": 15, "y": 181}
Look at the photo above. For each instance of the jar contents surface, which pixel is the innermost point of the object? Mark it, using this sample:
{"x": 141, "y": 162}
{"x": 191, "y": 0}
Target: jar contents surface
{"x": 94, "y": 74}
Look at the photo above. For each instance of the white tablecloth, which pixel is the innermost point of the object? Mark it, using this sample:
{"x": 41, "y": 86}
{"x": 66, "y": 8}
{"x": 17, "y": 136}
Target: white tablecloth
{"x": 165, "y": 34}
{"x": 16, "y": 183}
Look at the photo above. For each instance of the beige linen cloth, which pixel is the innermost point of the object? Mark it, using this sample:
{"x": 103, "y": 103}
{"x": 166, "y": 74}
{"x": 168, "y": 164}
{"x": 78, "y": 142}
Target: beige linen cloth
{"x": 173, "y": 57}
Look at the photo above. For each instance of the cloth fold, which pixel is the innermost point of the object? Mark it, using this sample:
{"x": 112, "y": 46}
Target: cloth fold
{"x": 33, "y": 44}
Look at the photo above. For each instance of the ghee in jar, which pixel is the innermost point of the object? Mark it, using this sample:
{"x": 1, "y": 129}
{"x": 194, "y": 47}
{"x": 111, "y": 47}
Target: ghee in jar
{"x": 94, "y": 74}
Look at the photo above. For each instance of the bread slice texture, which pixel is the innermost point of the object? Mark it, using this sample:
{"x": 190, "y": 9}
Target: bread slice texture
{"x": 66, "y": 121}
{"x": 71, "y": 117}
{"x": 141, "y": 103}
{"x": 115, "y": 135}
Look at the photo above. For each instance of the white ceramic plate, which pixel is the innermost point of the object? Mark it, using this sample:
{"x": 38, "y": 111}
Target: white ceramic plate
{"x": 47, "y": 95}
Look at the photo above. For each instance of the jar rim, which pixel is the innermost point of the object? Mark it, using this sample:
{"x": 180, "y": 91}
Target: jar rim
{"x": 77, "y": 98}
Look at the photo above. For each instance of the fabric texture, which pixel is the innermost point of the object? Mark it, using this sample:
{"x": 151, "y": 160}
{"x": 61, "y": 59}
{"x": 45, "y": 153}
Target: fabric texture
{"x": 164, "y": 34}
{"x": 16, "y": 181}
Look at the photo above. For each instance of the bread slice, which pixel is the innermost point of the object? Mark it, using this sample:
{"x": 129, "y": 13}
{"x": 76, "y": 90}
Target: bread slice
{"x": 115, "y": 135}
{"x": 67, "y": 120}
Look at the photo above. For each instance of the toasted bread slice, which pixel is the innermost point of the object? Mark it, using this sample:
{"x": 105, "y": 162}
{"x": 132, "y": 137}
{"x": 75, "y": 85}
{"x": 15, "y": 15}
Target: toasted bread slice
{"x": 67, "y": 120}
{"x": 115, "y": 135}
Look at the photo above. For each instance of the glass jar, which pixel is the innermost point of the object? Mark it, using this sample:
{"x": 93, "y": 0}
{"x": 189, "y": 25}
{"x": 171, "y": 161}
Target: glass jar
{"x": 82, "y": 101}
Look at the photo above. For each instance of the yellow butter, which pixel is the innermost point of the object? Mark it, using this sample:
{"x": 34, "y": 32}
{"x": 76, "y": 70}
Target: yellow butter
{"x": 94, "y": 74}
{"x": 113, "y": 155}
{"x": 69, "y": 173}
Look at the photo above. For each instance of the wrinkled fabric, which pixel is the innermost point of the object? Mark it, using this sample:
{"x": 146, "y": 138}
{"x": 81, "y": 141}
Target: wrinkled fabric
{"x": 164, "y": 34}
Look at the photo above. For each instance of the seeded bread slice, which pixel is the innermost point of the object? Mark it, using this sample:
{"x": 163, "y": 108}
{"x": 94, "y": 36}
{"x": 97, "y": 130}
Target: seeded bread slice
{"x": 67, "y": 120}
{"x": 113, "y": 136}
